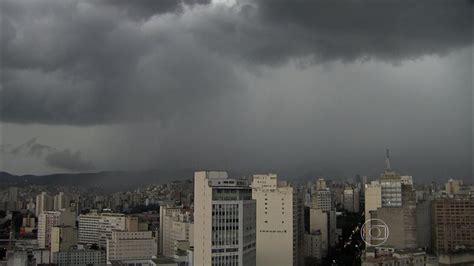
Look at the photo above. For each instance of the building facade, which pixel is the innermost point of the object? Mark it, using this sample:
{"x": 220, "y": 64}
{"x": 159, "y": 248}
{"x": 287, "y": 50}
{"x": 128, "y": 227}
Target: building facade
{"x": 123, "y": 245}
{"x": 224, "y": 220}
{"x": 279, "y": 212}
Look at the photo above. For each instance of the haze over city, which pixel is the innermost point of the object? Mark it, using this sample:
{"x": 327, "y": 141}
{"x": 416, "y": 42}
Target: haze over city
{"x": 300, "y": 88}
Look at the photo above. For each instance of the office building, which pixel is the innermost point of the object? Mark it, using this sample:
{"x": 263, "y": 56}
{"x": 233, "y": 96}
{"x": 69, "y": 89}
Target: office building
{"x": 319, "y": 222}
{"x": 79, "y": 256}
{"x": 47, "y": 220}
{"x": 123, "y": 245}
{"x": 453, "y": 223}
{"x": 63, "y": 237}
{"x": 313, "y": 245}
{"x": 176, "y": 230}
{"x": 349, "y": 199}
{"x": 61, "y": 201}
{"x": 224, "y": 220}
{"x": 44, "y": 202}
{"x": 279, "y": 221}
{"x": 89, "y": 228}
{"x": 321, "y": 184}
{"x": 322, "y": 199}
{"x": 381, "y": 256}
{"x": 453, "y": 187}
{"x": 95, "y": 228}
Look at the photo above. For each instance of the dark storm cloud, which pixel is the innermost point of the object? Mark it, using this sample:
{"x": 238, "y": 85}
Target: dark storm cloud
{"x": 68, "y": 160}
{"x": 391, "y": 30}
{"x": 30, "y": 148}
{"x": 60, "y": 159}
{"x": 144, "y": 8}
{"x": 97, "y": 62}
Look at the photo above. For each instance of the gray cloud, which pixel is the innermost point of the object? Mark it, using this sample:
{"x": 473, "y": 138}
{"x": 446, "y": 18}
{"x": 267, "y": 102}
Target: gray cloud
{"x": 68, "y": 160}
{"x": 59, "y": 159}
{"x": 390, "y": 30}
{"x": 87, "y": 62}
{"x": 215, "y": 86}
{"x": 143, "y": 8}
{"x": 29, "y": 148}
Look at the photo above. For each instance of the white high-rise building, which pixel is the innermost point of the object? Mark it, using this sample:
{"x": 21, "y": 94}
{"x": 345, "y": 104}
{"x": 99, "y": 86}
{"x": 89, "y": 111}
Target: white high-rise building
{"x": 123, "y": 245}
{"x": 373, "y": 197}
{"x": 47, "y": 220}
{"x": 60, "y": 201}
{"x": 453, "y": 187}
{"x": 391, "y": 184}
{"x": 44, "y": 202}
{"x": 224, "y": 220}
{"x": 319, "y": 222}
{"x": 95, "y": 228}
{"x": 279, "y": 221}
{"x": 89, "y": 228}
{"x": 63, "y": 237}
{"x": 322, "y": 199}
{"x": 175, "y": 228}
{"x": 321, "y": 184}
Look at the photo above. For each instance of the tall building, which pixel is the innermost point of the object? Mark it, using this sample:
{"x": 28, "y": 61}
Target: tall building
{"x": 279, "y": 216}
{"x": 224, "y": 220}
{"x": 349, "y": 199}
{"x": 312, "y": 245}
{"x": 319, "y": 222}
{"x": 47, "y": 220}
{"x": 391, "y": 184}
{"x": 373, "y": 198}
{"x": 176, "y": 227}
{"x": 95, "y": 228}
{"x": 452, "y": 224}
{"x": 322, "y": 199}
{"x": 108, "y": 223}
{"x": 61, "y": 201}
{"x": 63, "y": 237}
{"x": 123, "y": 245}
{"x": 392, "y": 200}
{"x": 321, "y": 184}
{"x": 89, "y": 228}
{"x": 44, "y": 202}
{"x": 12, "y": 200}
{"x": 453, "y": 187}
{"x": 401, "y": 223}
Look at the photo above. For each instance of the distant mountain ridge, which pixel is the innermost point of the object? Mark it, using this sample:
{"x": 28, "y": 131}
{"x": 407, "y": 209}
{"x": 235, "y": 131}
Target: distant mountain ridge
{"x": 109, "y": 180}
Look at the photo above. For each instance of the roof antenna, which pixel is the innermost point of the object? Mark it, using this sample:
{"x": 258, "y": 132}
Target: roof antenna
{"x": 387, "y": 161}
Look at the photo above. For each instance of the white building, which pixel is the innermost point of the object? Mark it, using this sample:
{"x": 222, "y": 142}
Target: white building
{"x": 89, "y": 228}
{"x": 44, "y": 202}
{"x": 95, "y": 228}
{"x": 279, "y": 217}
{"x": 373, "y": 198}
{"x": 321, "y": 184}
{"x": 124, "y": 245}
{"x": 322, "y": 199}
{"x": 224, "y": 220}
{"x": 175, "y": 227}
{"x": 63, "y": 238}
{"x": 61, "y": 201}
{"x": 319, "y": 222}
{"x": 47, "y": 220}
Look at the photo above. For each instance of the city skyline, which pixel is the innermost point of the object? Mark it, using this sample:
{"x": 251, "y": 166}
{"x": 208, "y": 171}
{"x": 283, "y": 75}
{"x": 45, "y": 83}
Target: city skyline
{"x": 299, "y": 88}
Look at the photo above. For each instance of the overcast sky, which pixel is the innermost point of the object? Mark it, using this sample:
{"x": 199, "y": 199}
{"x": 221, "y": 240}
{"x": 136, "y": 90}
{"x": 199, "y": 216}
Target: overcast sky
{"x": 299, "y": 87}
